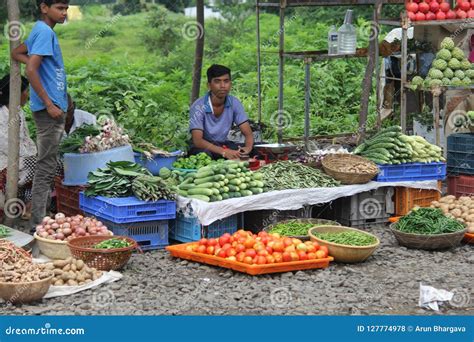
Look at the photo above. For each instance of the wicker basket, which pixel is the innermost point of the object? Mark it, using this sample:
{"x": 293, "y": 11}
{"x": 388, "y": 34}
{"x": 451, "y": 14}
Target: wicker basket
{"x": 25, "y": 292}
{"x": 344, "y": 253}
{"x": 333, "y": 163}
{"x": 313, "y": 221}
{"x": 54, "y": 249}
{"x": 428, "y": 242}
{"x": 101, "y": 259}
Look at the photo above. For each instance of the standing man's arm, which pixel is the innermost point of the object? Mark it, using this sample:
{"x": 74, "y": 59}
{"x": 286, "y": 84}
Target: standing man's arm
{"x": 20, "y": 54}
{"x": 32, "y": 67}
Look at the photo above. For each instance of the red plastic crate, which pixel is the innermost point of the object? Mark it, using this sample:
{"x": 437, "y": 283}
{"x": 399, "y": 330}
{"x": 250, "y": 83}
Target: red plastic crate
{"x": 67, "y": 198}
{"x": 462, "y": 185}
{"x": 408, "y": 198}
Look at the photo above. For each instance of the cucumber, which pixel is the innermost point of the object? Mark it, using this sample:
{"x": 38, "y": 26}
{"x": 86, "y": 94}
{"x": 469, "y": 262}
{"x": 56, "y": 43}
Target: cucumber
{"x": 258, "y": 176}
{"x": 246, "y": 192}
{"x": 252, "y": 184}
{"x": 235, "y": 194}
{"x": 243, "y": 186}
{"x": 225, "y": 189}
{"x": 256, "y": 191}
{"x": 190, "y": 175}
{"x": 205, "y": 169}
{"x": 214, "y": 198}
{"x": 201, "y": 191}
{"x": 207, "y": 179}
{"x": 215, "y": 191}
{"x": 186, "y": 186}
{"x": 236, "y": 181}
{"x": 225, "y": 196}
{"x": 219, "y": 197}
{"x": 204, "y": 174}
{"x": 200, "y": 197}
{"x": 260, "y": 184}
{"x": 232, "y": 188}
{"x": 182, "y": 193}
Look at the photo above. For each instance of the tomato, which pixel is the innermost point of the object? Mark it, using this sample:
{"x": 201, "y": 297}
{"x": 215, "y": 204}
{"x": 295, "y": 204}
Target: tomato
{"x": 210, "y": 249}
{"x": 312, "y": 256}
{"x": 270, "y": 259}
{"x": 262, "y": 252}
{"x": 212, "y": 242}
{"x": 224, "y": 240}
{"x": 294, "y": 256}
{"x": 195, "y": 247}
{"x": 231, "y": 252}
{"x": 189, "y": 248}
{"x": 296, "y": 242}
{"x": 203, "y": 242}
{"x": 201, "y": 249}
{"x": 265, "y": 240}
{"x": 278, "y": 246}
{"x": 286, "y": 256}
{"x": 241, "y": 240}
{"x": 302, "y": 247}
{"x": 251, "y": 253}
{"x": 311, "y": 249}
{"x": 278, "y": 257}
{"x": 275, "y": 235}
{"x": 324, "y": 249}
{"x": 262, "y": 234}
{"x": 259, "y": 246}
{"x": 290, "y": 249}
{"x": 249, "y": 242}
{"x": 248, "y": 260}
{"x": 226, "y": 246}
{"x": 287, "y": 241}
{"x": 321, "y": 254}
{"x": 302, "y": 255}
{"x": 241, "y": 257}
{"x": 222, "y": 254}
{"x": 234, "y": 244}
{"x": 232, "y": 258}
{"x": 261, "y": 260}
{"x": 254, "y": 260}
{"x": 240, "y": 248}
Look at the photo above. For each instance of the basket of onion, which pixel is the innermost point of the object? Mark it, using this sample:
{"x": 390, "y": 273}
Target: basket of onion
{"x": 53, "y": 233}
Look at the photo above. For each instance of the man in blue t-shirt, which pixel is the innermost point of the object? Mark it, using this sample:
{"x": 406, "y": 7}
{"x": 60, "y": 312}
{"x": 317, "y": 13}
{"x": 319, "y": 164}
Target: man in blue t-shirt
{"x": 212, "y": 116}
{"x": 48, "y": 97}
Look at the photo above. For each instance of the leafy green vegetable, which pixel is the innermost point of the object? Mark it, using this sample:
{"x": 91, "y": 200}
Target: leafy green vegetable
{"x": 113, "y": 243}
{"x": 75, "y": 140}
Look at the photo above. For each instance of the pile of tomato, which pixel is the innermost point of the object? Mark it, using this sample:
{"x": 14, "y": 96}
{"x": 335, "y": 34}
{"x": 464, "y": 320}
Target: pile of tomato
{"x": 262, "y": 248}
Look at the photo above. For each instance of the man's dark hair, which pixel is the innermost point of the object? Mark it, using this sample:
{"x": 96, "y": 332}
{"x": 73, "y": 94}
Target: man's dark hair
{"x": 49, "y": 3}
{"x": 217, "y": 70}
{"x": 5, "y": 89}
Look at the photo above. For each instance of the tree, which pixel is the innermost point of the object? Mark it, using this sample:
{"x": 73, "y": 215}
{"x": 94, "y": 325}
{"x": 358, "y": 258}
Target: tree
{"x": 199, "y": 54}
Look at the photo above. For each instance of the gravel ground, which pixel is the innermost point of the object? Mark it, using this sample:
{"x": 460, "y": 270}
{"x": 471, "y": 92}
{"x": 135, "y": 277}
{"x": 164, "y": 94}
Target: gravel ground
{"x": 154, "y": 283}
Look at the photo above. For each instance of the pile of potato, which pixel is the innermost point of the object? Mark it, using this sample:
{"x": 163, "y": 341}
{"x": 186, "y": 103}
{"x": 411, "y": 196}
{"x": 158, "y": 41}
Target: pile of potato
{"x": 22, "y": 271}
{"x": 72, "y": 272}
{"x": 461, "y": 209}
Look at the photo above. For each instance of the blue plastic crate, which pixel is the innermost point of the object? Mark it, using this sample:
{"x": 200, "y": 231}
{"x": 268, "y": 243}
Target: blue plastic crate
{"x": 127, "y": 209}
{"x": 188, "y": 229}
{"x": 157, "y": 162}
{"x": 461, "y": 153}
{"x": 149, "y": 235}
{"x": 411, "y": 172}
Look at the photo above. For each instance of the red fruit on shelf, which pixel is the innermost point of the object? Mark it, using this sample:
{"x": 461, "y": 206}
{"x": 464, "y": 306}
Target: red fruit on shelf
{"x": 444, "y": 7}
{"x": 460, "y": 14}
{"x": 420, "y": 16}
{"x": 470, "y": 13}
{"x": 440, "y": 15}
{"x": 411, "y": 7}
{"x": 434, "y": 6}
{"x": 423, "y": 7}
{"x": 464, "y": 5}
{"x": 430, "y": 16}
{"x": 450, "y": 15}
{"x": 412, "y": 16}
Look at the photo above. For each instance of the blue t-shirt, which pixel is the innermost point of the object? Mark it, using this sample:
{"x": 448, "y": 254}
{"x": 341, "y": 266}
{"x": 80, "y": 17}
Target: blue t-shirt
{"x": 216, "y": 129}
{"x": 43, "y": 41}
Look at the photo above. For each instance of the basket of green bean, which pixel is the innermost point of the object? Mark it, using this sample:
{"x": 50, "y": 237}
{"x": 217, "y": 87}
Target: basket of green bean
{"x": 298, "y": 228}
{"x": 429, "y": 229}
{"x": 348, "y": 245}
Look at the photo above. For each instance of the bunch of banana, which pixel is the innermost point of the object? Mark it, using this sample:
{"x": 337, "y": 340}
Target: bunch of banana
{"x": 150, "y": 188}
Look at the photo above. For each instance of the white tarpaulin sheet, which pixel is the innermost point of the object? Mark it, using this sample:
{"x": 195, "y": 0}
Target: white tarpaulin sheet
{"x": 293, "y": 199}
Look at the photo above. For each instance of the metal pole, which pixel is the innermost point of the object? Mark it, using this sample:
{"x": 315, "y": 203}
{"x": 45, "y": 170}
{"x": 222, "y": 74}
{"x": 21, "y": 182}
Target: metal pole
{"x": 259, "y": 75}
{"x": 12, "y": 203}
{"x": 307, "y": 88}
{"x": 403, "y": 93}
{"x": 281, "y": 68}
{"x": 436, "y": 109}
{"x": 377, "y": 13}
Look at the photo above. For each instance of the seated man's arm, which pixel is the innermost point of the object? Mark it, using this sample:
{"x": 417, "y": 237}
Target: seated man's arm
{"x": 201, "y": 143}
{"x": 248, "y": 134}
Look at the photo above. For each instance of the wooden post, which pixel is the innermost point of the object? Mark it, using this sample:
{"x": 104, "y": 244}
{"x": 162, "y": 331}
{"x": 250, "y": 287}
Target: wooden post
{"x": 199, "y": 54}
{"x": 13, "y": 207}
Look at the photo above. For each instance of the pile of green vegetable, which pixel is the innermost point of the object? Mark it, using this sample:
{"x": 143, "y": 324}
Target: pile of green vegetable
{"x": 428, "y": 221}
{"x": 76, "y": 139}
{"x": 193, "y": 162}
{"x": 122, "y": 179}
{"x": 112, "y": 244}
{"x": 220, "y": 181}
{"x": 291, "y": 228}
{"x": 390, "y": 146}
{"x": 284, "y": 175}
{"x": 4, "y": 231}
{"x": 349, "y": 238}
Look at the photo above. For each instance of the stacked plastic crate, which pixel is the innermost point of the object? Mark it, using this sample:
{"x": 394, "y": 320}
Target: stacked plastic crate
{"x": 461, "y": 164}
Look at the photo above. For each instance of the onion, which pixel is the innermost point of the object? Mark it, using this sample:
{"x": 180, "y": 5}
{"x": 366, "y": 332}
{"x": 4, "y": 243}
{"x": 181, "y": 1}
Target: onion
{"x": 60, "y": 236}
{"x": 47, "y": 227}
{"x": 51, "y": 232}
{"x": 67, "y": 231}
{"x": 42, "y": 230}
{"x": 59, "y": 231}
{"x": 66, "y": 225}
{"x": 51, "y": 221}
{"x": 55, "y": 226}
{"x": 93, "y": 231}
{"x": 60, "y": 216}
{"x": 87, "y": 234}
{"x": 68, "y": 219}
{"x": 60, "y": 220}
{"x": 46, "y": 219}
{"x": 39, "y": 227}
{"x": 99, "y": 224}
{"x": 80, "y": 231}
{"x": 80, "y": 217}
{"x": 43, "y": 234}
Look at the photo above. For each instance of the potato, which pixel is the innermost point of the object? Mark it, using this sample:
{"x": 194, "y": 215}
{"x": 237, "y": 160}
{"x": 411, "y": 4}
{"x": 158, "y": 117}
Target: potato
{"x": 79, "y": 265}
{"x": 80, "y": 278}
{"x": 60, "y": 263}
{"x": 73, "y": 267}
{"x": 49, "y": 266}
{"x": 59, "y": 282}
{"x": 456, "y": 212}
{"x": 72, "y": 275}
{"x": 71, "y": 282}
{"x": 58, "y": 271}
{"x": 67, "y": 268}
{"x": 69, "y": 260}
{"x": 65, "y": 276}
{"x": 88, "y": 281}
{"x": 465, "y": 209}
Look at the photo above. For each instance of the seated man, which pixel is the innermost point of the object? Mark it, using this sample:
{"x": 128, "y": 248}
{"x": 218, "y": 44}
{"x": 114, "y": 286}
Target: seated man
{"x": 75, "y": 118}
{"x": 212, "y": 116}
